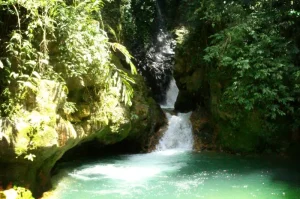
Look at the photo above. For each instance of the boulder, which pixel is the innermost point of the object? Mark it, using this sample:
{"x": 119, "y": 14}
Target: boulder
{"x": 46, "y": 125}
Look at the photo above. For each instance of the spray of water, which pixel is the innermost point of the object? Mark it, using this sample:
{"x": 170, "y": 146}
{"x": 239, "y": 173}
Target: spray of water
{"x": 157, "y": 63}
{"x": 171, "y": 96}
{"x": 179, "y": 134}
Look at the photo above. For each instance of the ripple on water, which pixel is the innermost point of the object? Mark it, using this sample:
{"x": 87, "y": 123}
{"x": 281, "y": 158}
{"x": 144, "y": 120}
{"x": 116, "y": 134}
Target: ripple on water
{"x": 126, "y": 173}
{"x": 176, "y": 174}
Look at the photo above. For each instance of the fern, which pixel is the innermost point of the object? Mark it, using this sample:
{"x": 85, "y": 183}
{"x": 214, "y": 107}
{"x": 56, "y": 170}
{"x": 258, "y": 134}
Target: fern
{"x": 79, "y": 45}
{"x": 125, "y": 52}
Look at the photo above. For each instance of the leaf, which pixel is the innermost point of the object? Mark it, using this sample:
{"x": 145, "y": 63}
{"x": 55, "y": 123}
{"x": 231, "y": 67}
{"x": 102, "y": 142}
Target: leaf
{"x": 31, "y": 62}
{"x": 14, "y": 75}
{"x": 36, "y": 74}
{"x": 113, "y": 32}
{"x": 125, "y": 52}
{"x": 44, "y": 61}
{"x": 28, "y": 84}
{"x": 30, "y": 157}
{"x": 1, "y": 64}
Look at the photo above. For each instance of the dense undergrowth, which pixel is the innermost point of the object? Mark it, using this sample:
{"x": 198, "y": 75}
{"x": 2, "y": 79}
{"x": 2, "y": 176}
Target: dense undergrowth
{"x": 236, "y": 60}
{"x": 242, "y": 58}
{"x": 65, "y": 41}
{"x": 65, "y": 79}
{"x": 239, "y": 59}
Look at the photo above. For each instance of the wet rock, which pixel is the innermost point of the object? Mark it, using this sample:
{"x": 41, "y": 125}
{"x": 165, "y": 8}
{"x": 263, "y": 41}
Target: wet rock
{"x": 204, "y": 134}
{"x": 35, "y": 138}
{"x": 185, "y": 102}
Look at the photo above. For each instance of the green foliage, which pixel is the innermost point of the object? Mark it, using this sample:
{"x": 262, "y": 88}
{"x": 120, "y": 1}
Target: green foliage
{"x": 247, "y": 53}
{"x": 16, "y": 193}
{"x": 26, "y": 85}
{"x": 54, "y": 39}
{"x": 23, "y": 193}
{"x": 259, "y": 63}
{"x": 138, "y": 21}
{"x": 69, "y": 107}
{"x": 181, "y": 34}
{"x": 64, "y": 41}
{"x": 29, "y": 136}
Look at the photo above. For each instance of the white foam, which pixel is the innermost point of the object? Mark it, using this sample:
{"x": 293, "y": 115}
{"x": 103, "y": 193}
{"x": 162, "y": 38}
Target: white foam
{"x": 178, "y": 135}
{"x": 127, "y": 173}
{"x": 171, "y": 96}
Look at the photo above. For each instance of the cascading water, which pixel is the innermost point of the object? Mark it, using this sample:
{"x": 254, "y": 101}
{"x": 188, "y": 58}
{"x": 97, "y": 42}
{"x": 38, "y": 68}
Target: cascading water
{"x": 157, "y": 63}
{"x": 171, "y": 96}
{"x": 179, "y": 133}
{"x": 172, "y": 171}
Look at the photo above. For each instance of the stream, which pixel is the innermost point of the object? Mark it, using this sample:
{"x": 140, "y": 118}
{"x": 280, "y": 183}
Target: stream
{"x": 178, "y": 174}
{"x": 174, "y": 170}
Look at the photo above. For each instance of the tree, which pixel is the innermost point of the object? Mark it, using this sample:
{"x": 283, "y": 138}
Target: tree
{"x": 56, "y": 39}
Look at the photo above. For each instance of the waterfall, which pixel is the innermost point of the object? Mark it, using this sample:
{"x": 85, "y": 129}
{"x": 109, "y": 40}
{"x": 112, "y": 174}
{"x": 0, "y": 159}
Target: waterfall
{"x": 160, "y": 59}
{"x": 160, "y": 17}
{"x": 157, "y": 60}
{"x": 171, "y": 96}
{"x": 179, "y": 134}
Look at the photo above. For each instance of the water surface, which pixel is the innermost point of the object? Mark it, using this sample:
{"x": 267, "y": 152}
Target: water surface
{"x": 179, "y": 174}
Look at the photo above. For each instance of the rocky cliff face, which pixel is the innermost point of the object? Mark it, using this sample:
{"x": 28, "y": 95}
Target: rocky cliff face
{"x": 47, "y": 125}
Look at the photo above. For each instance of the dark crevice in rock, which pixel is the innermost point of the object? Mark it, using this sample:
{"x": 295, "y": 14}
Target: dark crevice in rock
{"x": 93, "y": 150}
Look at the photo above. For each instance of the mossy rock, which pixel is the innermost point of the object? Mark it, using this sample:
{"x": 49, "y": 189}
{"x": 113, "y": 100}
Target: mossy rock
{"x": 243, "y": 136}
{"x": 203, "y": 130}
{"x": 17, "y": 193}
{"x": 43, "y": 133}
{"x": 146, "y": 118}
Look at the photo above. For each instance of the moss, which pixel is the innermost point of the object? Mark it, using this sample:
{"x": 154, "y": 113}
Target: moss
{"x": 242, "y": 135}
{"x": 107, "y": 136}
{"x": 181, "y": 34}
{"x": 22, "y": 139}
{"x": 17, "y": 193}
{"x": 111, "y": 112}
{"x": 203, "y": 129}
{"x": 35, "y": 130}
{"x": 47, "y": 132}
{"x": 47, "y": 137}
{"x": 83, "y": 111}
